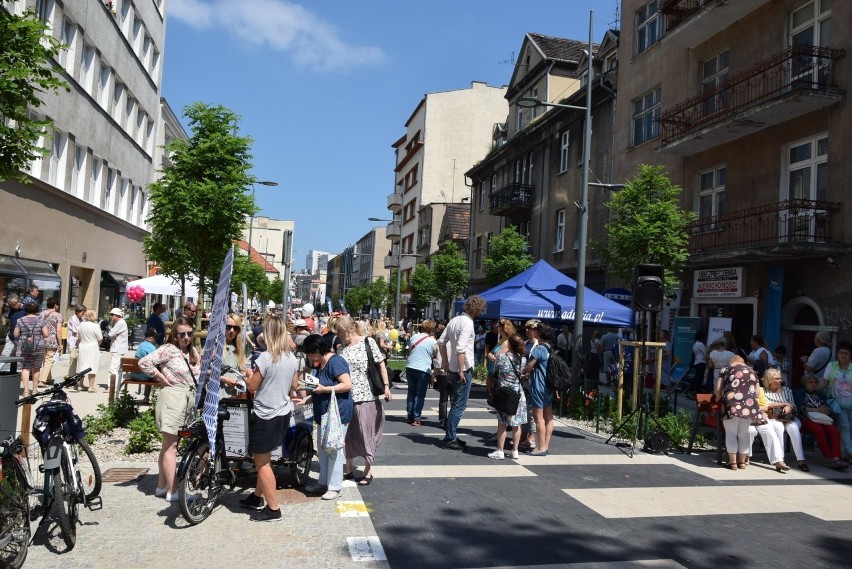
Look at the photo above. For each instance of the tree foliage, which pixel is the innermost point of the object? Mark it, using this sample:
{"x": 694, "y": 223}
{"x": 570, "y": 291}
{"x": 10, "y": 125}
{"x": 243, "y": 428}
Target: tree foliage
{"x": 250, "y": 272}
{"x": 423, "y": 288}
{"x": 450, "y": 273}
{"x": 379, "y": 294}
{"x": 25, "y": 73}
{"x": 200, "y": 204}
{"x": 648, "y": 226}
{"x": 507, "y": 256}
{"x": 275, "y": 291}
{"x": 357, "y": 298}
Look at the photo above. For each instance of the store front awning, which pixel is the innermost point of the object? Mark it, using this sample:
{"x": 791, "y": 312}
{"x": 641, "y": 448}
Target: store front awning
{"x": 118, "y": 279}
{"x": 27, "y": 268}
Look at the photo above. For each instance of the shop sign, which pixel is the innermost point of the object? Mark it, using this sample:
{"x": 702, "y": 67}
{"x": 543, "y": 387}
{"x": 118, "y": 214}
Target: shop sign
{"x": 718, "y": 283}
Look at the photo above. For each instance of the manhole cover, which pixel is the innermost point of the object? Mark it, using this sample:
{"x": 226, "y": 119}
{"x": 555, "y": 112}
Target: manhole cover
{"x": 123, "y": 474}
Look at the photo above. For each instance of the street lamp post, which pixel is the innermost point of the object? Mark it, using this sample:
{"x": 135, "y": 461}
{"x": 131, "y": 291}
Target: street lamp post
{"x": 251, "y": 221}
{"x": 582, "y": 206}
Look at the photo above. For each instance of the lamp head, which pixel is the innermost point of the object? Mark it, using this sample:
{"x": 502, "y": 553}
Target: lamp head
{"x": 529, "y": 102}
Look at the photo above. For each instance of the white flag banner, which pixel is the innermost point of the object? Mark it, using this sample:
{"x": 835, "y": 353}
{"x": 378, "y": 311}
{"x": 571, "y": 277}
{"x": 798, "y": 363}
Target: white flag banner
{"x": 211, "y": 361}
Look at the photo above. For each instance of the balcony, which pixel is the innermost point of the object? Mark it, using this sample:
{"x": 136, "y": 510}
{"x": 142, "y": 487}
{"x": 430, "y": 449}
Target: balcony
{"x": 395, "y": 202}
{"x": 795, "y": 82}
{"x": 691, "y": 22}
{"x": 512, "y": 200}
{"x": 391, "y": 261}
{"x": 787, "y": 229}
{"x": 393, "y": 231}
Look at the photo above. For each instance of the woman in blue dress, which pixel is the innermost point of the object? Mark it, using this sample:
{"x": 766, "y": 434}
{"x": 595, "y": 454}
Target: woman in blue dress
{"x": 541, "y": 397}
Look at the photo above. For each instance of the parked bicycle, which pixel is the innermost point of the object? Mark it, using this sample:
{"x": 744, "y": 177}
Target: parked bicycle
{"x": 15, "y": 490}
{"x": 202, "y": 478}
{"x": 72, "y": 476}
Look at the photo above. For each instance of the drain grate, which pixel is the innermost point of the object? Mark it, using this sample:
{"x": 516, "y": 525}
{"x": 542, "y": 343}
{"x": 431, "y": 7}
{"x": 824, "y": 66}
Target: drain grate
{"x": 123, "y": 474}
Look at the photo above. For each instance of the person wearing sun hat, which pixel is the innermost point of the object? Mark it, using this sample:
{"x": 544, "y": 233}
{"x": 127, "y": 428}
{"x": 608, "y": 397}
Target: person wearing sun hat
{"x": 118, "y": 345}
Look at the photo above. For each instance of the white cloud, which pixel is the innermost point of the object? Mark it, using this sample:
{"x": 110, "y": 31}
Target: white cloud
{"x": 310, "y": 41}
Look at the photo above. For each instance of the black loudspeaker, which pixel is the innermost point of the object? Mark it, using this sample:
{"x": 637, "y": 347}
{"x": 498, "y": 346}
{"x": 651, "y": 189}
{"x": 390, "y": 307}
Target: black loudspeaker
{"x": 411, "y": 312}
{"x": 648, "y": 287}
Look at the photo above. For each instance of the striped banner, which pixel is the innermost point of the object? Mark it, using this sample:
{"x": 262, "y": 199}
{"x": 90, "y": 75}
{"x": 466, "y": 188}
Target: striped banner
{"x": 245, "y": 314}
{"x": 214, "y": 346}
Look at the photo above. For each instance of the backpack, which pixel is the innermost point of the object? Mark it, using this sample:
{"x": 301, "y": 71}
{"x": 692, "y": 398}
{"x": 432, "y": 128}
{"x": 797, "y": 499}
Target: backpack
{"x": 28, "y": 343}
{"x": 558, "y": 375}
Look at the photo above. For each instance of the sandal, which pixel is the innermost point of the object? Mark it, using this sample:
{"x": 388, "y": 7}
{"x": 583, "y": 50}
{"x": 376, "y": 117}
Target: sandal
{"x": 349, "y": 475}
{"x": 366, "y": 480}
{"x": 742, "y": 465}
{"x": 803, "y": 466}
{"x": 732, "y": 466}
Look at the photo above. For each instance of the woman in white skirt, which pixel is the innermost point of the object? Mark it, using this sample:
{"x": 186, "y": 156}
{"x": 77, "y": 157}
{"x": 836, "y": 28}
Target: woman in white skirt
{"x": 89, "y": 338}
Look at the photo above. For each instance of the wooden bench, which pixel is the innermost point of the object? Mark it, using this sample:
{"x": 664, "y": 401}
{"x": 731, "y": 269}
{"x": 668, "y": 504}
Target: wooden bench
{"x": 130, "y": 365}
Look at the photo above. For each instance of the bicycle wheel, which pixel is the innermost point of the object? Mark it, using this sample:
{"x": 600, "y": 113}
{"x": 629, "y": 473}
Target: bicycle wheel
{"x": 65, "y": 506}
{"x": 198, "y": 489}
{"x": 301, "y": 457}
{"x": 89, "y": 470}
{"x": 15, "y": 532}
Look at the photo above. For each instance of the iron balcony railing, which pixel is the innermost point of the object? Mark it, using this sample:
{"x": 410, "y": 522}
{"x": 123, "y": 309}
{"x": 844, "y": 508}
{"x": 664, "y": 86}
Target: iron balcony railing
{"x": 783, "y": 223}
{"x": 799, "y": 68}
{"x": 513, "y": 197}
{"x": 678, "y": 11}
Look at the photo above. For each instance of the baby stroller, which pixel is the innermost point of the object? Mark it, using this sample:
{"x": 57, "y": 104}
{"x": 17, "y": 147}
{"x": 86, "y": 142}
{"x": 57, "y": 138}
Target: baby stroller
{"x": 105, "y": 342}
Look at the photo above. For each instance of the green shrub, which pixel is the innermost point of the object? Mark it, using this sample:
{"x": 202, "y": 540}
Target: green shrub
{"x": 480, "y": 374}
{"x": 124, "y": 409}
{"x": 101, "y": 423}
{"x": 144, "y": 435}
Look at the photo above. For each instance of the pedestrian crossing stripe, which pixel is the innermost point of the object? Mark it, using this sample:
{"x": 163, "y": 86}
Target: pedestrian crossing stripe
{"x": 367, "y": 548}
{"x": 355, "y": 509}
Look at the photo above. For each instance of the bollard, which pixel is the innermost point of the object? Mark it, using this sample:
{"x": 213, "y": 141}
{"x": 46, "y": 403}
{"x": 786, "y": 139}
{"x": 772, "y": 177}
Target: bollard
{"x": 25, "y": 423}
{"x": 111, "y": 397}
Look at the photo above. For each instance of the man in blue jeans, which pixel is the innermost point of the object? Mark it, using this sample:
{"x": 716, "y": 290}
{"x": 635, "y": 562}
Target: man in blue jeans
{"x": 457, "y": 345}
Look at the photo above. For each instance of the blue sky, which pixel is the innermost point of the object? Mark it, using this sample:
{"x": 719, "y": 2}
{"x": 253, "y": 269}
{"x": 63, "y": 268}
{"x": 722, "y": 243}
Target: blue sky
{"x": 324, "y": 88}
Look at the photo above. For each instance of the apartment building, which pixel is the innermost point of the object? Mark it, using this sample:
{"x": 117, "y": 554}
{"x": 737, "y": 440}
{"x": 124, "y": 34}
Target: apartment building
{"x": 745, "y": 105}
{"x": 76, "y": 228}
{"x": 444, "y": 136}
{"x": 532, "y": 176}
{"x": 271, "y": 238}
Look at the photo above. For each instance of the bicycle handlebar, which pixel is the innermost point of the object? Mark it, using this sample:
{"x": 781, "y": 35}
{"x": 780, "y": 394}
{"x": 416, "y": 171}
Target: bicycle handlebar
{"x": 69, "y": 380}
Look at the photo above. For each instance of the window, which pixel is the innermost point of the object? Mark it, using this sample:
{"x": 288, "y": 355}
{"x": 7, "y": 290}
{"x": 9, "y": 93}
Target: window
{"x": 146, "y": 52}
{"x": 140, "y": 127}
{"x": 44, "y": 9}
{"x": 411, "y": 177}
{"x": 87, "y": 65}
{"x": 93, "y": 191}
{"x": 714, "y": 72}
{"x": 408, "y": 211}
{"x": 117, "y": 106}
{"x": 559, "y": 241}
{"x": 130, "y": 110}
{"x": 149, "y": 136}
{"x": 56, "y": 176}
{"x": 124, "y": 188}
{"x": 136, "y": 41}
{"x": 155, "y": 64}
{"x": 481, "y": 198}
{"x": 78, "y": 172}
{"x": 125, "y": 17}
{"x": 563, "y": 152}
{"x": 478, "y": 253}
{"x": 423, "y": 236}
{"x": 711, "y": 194}
{"x": 519, "y": 119}
{"x": 535, "y": 110}
{"x": 807, "y": 169}
{"x": 66, "y": 52}
{"x": 36, "y": 164}
{"x": 649, "y": 26}
{"x": 103, "y": 86}
{"x": 132, "y": 215}
{"x": 488, "y": 242}
{"x": 810, "y": 24}
{"x": 646, "y": 117}
{"x": 524, "y": 229}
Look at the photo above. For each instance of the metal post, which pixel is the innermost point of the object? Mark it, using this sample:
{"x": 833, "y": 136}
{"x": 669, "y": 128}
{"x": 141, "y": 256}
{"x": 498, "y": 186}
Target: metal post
{"x": 396, "y": 315}
{"x": 579, "y": 306}
{"x": 251, "y": 220}
{"x": 286, "y": 257}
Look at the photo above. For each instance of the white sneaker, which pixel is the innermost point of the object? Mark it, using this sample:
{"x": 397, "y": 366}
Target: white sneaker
{"x": 513, "y": 455}
{"x": 330, "y": 495}
{"x": 497, "y": 455}
{"x": 172, "y": 497}
{"x": 161, "y": 492}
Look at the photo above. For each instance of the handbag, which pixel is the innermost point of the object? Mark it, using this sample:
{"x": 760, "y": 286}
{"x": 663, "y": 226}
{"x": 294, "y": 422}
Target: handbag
{"x": 834, "y": 405}
{"x": 820, "y": 418}
{"x": 332, "y": 436}
{"x": 377, "y": 384}
{"x": 506, "y": 399}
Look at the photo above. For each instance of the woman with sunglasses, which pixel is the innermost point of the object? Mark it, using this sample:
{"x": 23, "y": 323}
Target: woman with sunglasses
{"x": 233, "y": 381}
{"x": 175, "y": 365}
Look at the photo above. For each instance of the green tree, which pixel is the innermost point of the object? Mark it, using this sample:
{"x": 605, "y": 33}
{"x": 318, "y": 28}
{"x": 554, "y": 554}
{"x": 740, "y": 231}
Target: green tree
{"x": 357, "y": 298}
{"x": 250, "y": 272}
{"x": 25, "y": 73}
{"x": 423, "y": 288}
{"x": 275, "y": 291}
{"x": 507, "y": 256}
{"x": 200, "y": 204}
{"x": 648, "y": 226}
{"x": 379, "y": 294}
{"x": 449, "y": 268}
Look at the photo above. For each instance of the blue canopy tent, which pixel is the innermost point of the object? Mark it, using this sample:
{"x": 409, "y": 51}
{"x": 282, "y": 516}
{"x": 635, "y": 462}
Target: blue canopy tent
{"x": 543, "y": 292}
